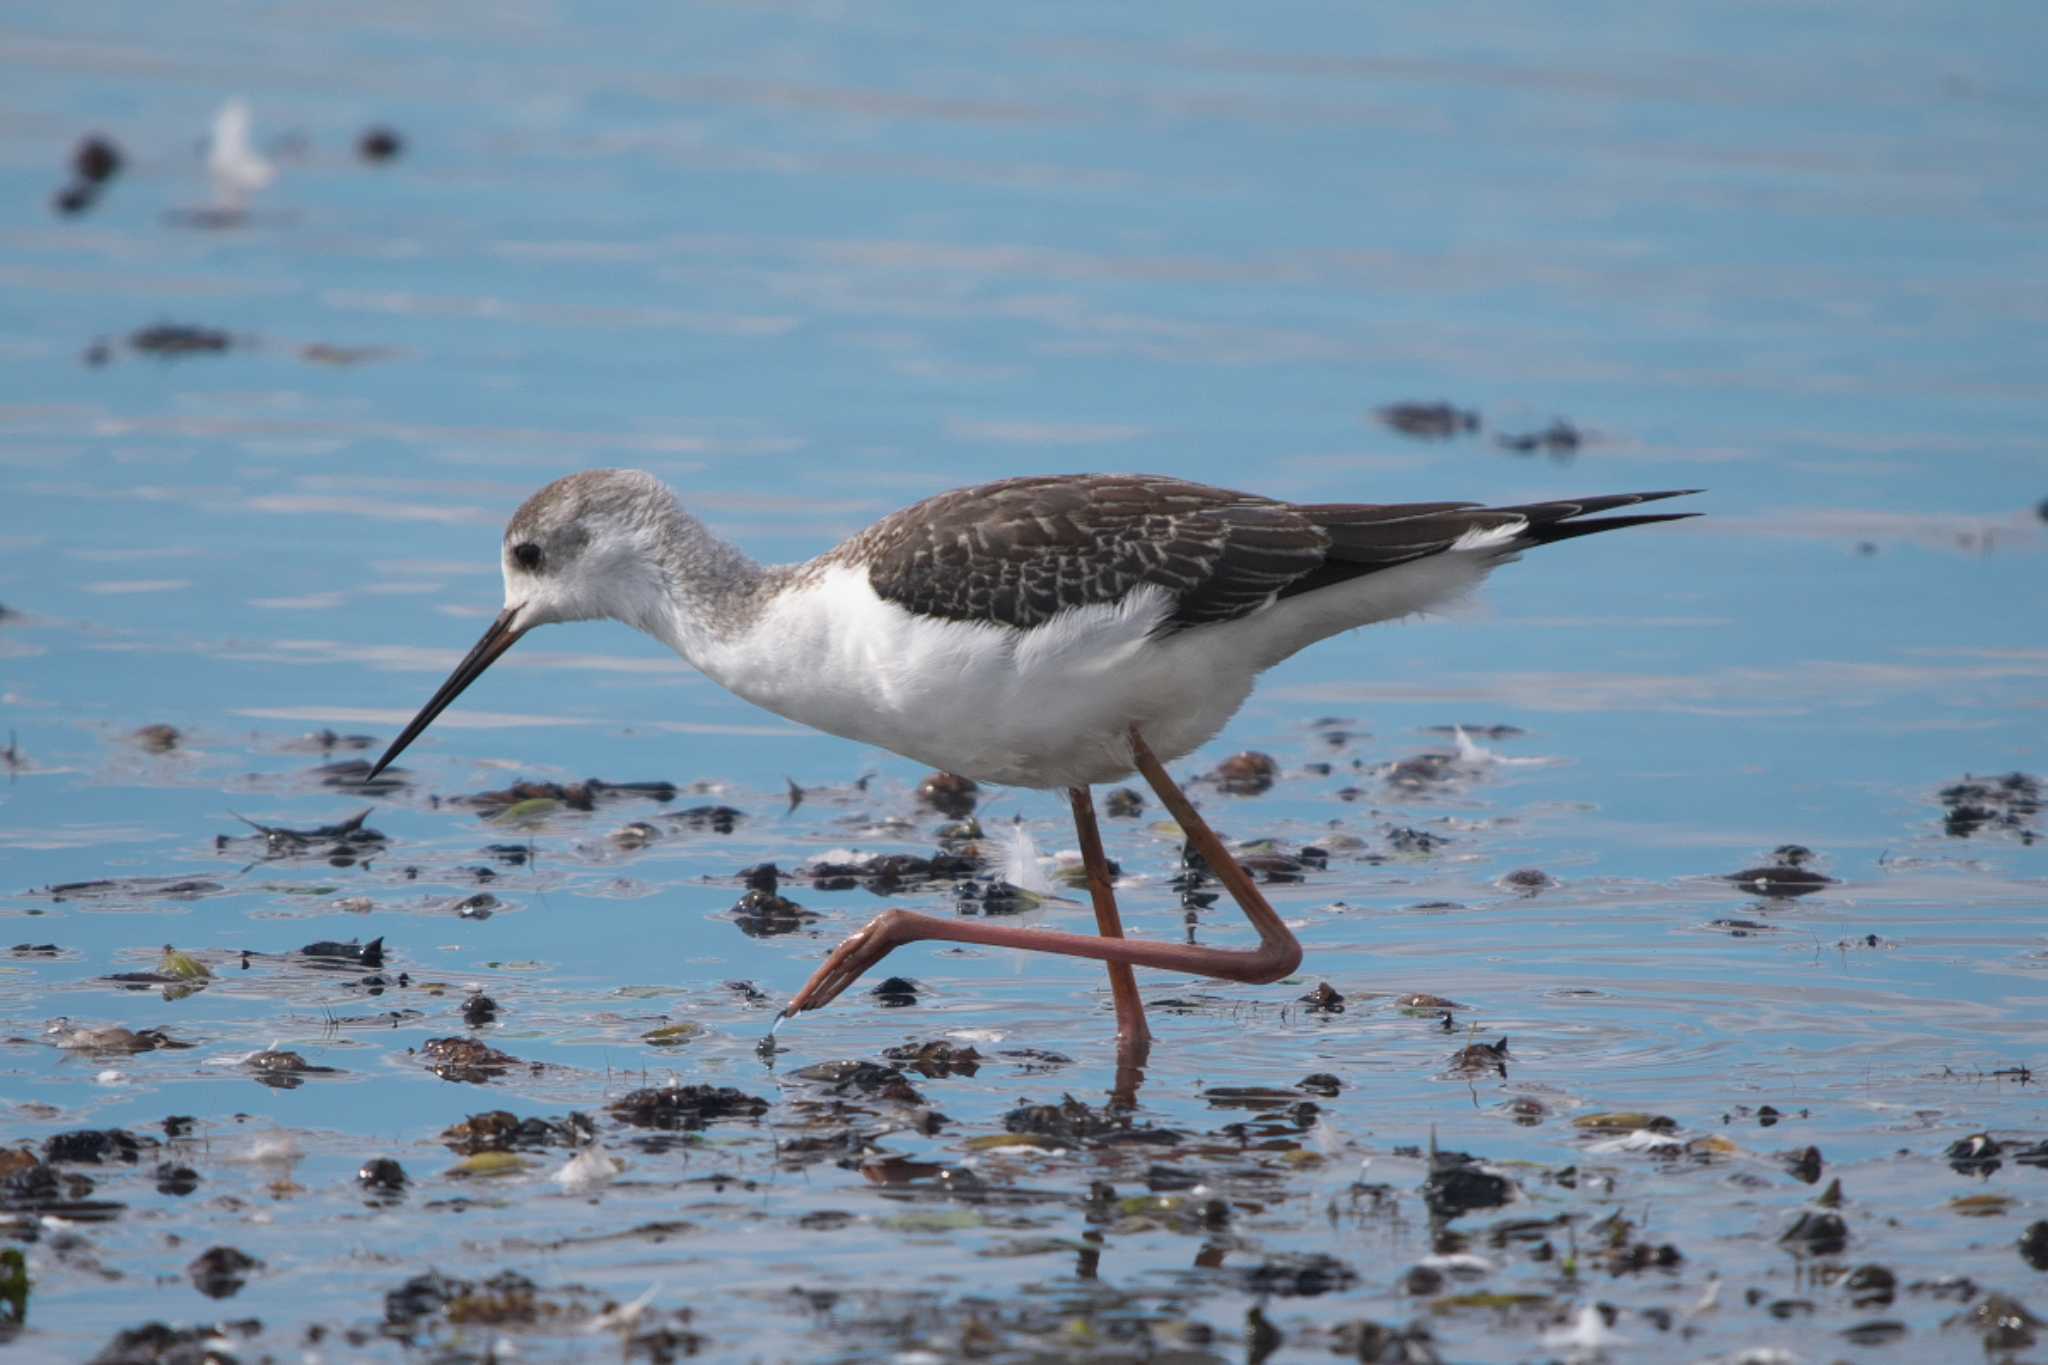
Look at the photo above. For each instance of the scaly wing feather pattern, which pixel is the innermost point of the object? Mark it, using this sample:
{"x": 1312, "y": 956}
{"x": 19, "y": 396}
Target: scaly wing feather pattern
{"x": 1021, "y": 551}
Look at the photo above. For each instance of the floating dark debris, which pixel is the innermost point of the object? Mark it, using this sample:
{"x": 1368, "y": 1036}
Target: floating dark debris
{"x": 341, "y": 844}
{"x": 96, "y": 160}
{"x": 1806, "y": 1166}
{"x": 1247, "y": 774}
{"x": 1528, "y": 881}
{"x": 991, "y": 896}
{"x": 1789, "y": 876}
{"x": 1422, "y": 772}
{"x": 379, "y": 144}
{"x": 1817, "y": 1234}
{"x": 498, "y": 1130}
{"x": 176, "y": 1180}
{"x": 685, "y": 1106}
{"x": 2034, "y": 1245}
{"x": 1977, "y": 1154}
{"x": 96, "y": 1147}
{"x": 382, "y": 1175}
{"x": 1625, "y": 1121}
{"x": 1482, "y": 1057}
{"x": 1741, "y": 928}
{"x": 369, "y": 954}
{"x": 1477, "y": 731}
{"x": 2007, "y": 804}
{"x": 949, "y": 794}
{"x": 478, "y": 1010}
{"x": 159, "y": 1342}
{"x": 1123, "y": 803}
{"x": 1428, "y": 421}
{"x": 1372, "y": 1341}
{"x": 895, "y": 993}
{"x": 1457, "y": 1184}
{"x": 220, "y": 1272}
{"x": 763, "y": 914}
{"x": 158, "y": 739}
{"x": 1618, "y": 1251}
{"x": 2002, "y": 1322}
{"x": 1075, "y": 1123}
{"x": 467, "y": 1061}
{"x": 870, "y": 1079}
{"x": 638, "y": 834}
{"x": 480, "y": 906}
{"x": 111, "y": 1039}
{"x": 1324, "y": 999}
{"x": 885, "y": 874}
{"x": 1404, "y": 840}
{"x": 283, "y": 1070}
{"x": 1273, "y": 864}
{"x": 1560, "y": 440}
{"x": 1871, "y": 1286}
{"x": 173, "y": 340}
{"x": 575, "y": 796}
{"x": 153, "y": 888}
{"x": 936, "y": 1058}
{"x": 353, "y": 774}
{"x": 1298, "y": 1275}
{"x": 717, "y": 819}
{"x": 327, "y": 741}
{"x": 30, "y": 1187}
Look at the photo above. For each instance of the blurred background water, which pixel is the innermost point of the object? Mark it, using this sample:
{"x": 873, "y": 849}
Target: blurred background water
{"x": 811, "y": 262}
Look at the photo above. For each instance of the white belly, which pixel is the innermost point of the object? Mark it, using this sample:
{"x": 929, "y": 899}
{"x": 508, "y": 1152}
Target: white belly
{"x": 1045, "y": 707}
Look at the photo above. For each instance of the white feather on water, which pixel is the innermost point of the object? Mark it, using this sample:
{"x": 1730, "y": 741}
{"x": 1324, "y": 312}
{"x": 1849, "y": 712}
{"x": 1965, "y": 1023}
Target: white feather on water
{"x": 1473, "y": 754}
{"x": 236, "y": 167}
{"x": 1023, "y": 866}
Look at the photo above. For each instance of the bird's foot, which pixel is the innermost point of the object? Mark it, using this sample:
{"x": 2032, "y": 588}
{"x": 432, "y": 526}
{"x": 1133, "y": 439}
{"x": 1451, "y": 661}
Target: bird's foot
{"x": 876, "y": 940}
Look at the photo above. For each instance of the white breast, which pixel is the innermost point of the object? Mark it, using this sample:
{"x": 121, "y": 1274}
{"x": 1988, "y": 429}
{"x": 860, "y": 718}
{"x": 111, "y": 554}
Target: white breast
{"x": 1045, "y": 707}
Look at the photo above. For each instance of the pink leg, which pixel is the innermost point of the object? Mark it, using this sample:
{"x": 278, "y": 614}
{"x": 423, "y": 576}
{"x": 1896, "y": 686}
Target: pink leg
{"x": 1277, "y": 955}
{"x": 1133, "y": 1034}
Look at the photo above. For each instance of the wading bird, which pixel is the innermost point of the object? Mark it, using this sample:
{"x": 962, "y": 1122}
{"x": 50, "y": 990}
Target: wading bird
{"x": 1051, "y": 632}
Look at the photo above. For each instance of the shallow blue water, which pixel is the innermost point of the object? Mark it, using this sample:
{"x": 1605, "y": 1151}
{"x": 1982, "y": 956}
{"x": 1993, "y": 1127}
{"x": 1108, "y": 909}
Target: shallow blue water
{"x": 810, "y": 265}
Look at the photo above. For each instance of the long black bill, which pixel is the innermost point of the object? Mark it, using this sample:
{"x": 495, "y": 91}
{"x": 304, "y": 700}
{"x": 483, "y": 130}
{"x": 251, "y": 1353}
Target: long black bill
{"x": 500, "y": 637}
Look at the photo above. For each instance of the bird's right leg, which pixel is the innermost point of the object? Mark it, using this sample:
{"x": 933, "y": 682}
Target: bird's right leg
{"x": 1277, "y": 955}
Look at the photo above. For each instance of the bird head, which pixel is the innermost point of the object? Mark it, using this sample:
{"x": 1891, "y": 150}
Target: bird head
{"x": 587, "y": 546}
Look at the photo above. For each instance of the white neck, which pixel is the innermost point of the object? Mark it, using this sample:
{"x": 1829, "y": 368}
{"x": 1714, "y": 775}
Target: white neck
{"x": 713, "y": 594}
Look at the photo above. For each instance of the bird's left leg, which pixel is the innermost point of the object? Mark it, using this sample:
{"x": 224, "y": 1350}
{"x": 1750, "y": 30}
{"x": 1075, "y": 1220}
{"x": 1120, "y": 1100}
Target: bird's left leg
{"x": 1133, "y": 1034}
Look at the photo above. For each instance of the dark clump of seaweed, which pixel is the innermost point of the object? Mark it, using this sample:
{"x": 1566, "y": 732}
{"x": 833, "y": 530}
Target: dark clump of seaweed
{"x": 1458, "y": 1184}
{"x": 936, "y": 1058}
{"x": 685, "y": 1107}
{"x": 2007, "y": 805}
{"x": 1437, "y": 421}
{"x": 1077, "y": 1123}
{"x": 96, "y": 1146}
{"x": 949, "y": 794}
{"x": 467, "y": 1061}
{"x": 575, "y": 795}
{"x": 499, "y": 1130}
{"x": 1302, "y": 1274}
{"x": 885, "y": 874}
{"x": 157, "y": 1343}
{"x": 220, "y": 1272}
{"x": 343, "y": 843}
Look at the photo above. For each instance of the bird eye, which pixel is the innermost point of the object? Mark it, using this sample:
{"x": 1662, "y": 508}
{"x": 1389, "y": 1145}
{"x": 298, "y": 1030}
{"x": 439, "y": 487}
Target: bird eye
{"x": 527, "y": 555}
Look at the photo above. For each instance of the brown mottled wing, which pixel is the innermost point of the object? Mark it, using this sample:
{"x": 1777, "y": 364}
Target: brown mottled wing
{"x": 1021, "y": 551}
